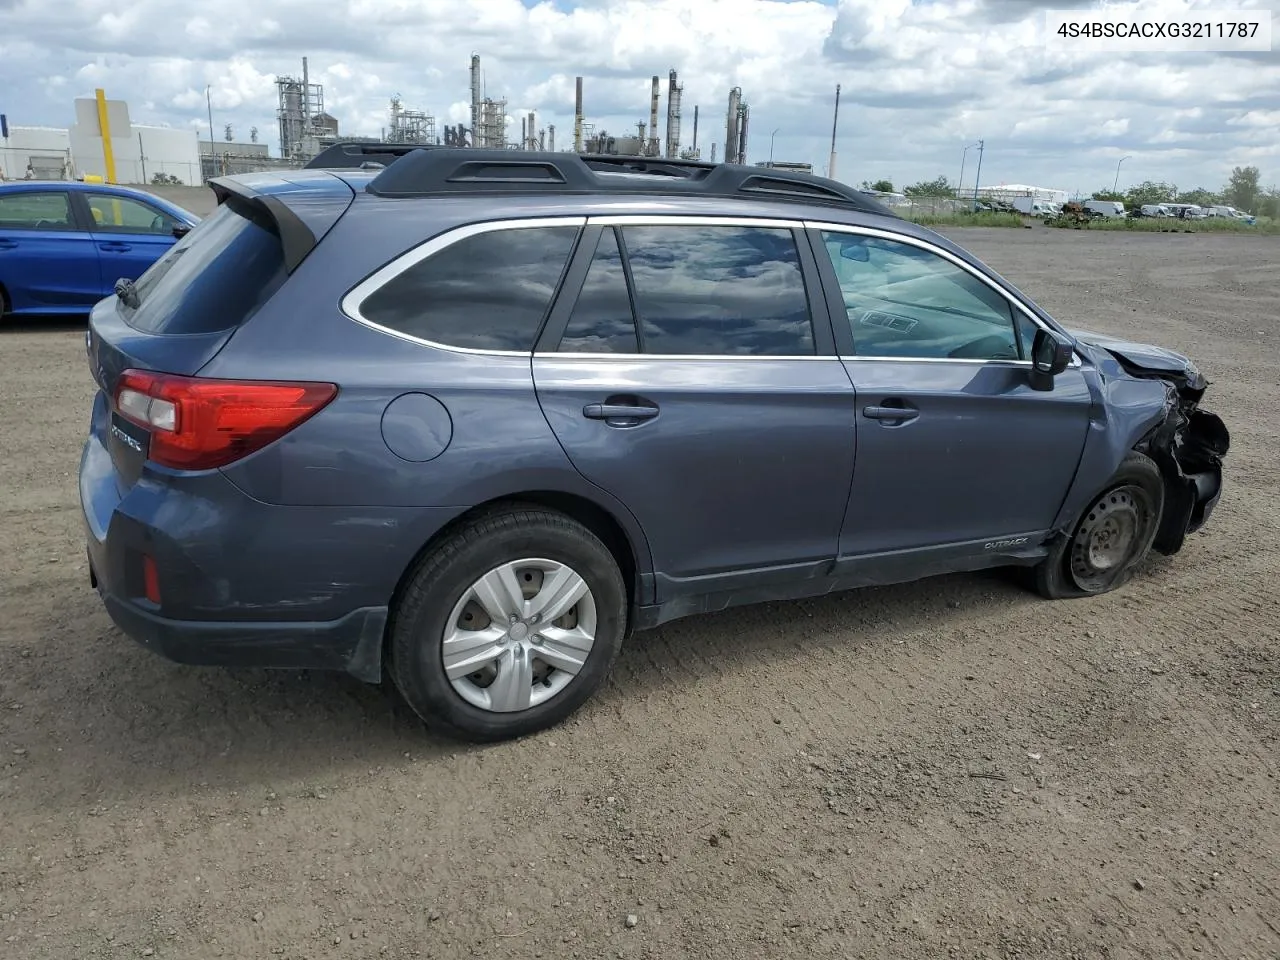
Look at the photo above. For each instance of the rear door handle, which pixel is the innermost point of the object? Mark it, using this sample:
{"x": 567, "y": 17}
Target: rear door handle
{"x": 618, "y": 411}
{"x": 900, "y": 414}
{"x": 115, "y": 246}
{"x": 8, "y": 244}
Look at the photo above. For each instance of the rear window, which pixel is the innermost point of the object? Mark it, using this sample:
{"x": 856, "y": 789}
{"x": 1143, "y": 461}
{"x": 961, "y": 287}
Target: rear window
{"x": 488, "y": 291}
{"x": 212, "y": 279}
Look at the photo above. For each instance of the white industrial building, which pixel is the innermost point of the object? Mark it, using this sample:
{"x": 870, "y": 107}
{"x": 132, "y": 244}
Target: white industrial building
{"x": 140, "y": 151}
{"x": 1008, "y": 191}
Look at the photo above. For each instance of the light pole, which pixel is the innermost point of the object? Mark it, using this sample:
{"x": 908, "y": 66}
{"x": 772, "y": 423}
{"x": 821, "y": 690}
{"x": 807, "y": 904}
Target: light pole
{"x": 982, "y": 145}
{"x": 963, "y": 157}
{"x": 1116, "y": 183}
{"x": 771, "y": 136}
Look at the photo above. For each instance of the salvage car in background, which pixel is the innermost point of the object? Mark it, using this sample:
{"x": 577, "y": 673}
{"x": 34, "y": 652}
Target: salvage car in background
{"x": 475, "y": 417}
{"x": 63, "y": 245}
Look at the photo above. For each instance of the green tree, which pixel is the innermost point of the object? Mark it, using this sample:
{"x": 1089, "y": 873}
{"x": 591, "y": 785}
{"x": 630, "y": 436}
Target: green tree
{"x": 883, "y": 186}
{"x": 1105, "y": 194}
{"x": 1150, "y": 192}
{"x": 1200, "y": 196}
{"x": 1269, "y": 203}
{"x": 931, "y": 188}
{"x": 1241, "y": 190}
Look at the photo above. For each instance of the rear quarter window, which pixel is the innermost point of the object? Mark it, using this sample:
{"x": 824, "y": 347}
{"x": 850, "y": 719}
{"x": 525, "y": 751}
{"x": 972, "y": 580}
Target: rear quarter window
{"x": 214, "y": 278}
{"x": 488, "y": 291}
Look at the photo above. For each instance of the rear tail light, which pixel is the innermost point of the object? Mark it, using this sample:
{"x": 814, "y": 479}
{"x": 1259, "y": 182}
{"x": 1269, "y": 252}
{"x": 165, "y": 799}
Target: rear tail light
{"x": 198, "y": 423}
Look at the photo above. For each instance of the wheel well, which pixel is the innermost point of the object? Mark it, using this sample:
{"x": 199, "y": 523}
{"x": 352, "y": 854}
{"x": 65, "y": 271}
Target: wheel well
{"x": 4, "y": 299}
{"x": 592, "y": 516}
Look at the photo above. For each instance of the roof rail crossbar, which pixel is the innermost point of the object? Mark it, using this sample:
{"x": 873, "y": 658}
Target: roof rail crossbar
{"x": 464, "y": 170}
{"x": 353, "y": 155}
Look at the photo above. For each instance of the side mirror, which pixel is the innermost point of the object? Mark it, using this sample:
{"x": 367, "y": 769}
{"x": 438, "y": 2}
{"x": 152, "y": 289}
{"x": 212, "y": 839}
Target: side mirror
{"x": 180, "y": 230}
{"x": 854, "y": 250}
{"x": 1050, "y": 355}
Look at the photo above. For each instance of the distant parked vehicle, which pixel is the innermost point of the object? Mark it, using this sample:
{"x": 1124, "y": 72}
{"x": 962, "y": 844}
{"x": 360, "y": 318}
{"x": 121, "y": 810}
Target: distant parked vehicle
{"x": 1186, "y": 211}
{"x": 1036, "y": 208}
{"x": 65, "y": 244}
{"x": 1105, "y": 208}
{"x": 1155, "y": 210}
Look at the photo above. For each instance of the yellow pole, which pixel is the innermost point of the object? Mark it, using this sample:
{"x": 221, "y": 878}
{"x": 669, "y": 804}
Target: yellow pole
{"x": 108, "y": 155}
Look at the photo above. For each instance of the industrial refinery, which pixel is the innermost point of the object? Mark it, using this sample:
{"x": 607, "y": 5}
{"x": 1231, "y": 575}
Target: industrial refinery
{"x": 306, "y": 129}
{"x": 150, "y": 154}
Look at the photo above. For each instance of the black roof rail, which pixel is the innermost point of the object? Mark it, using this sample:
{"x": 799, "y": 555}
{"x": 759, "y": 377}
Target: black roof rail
{"x": 353, "y": 155}
{"x": 444, "y": 171}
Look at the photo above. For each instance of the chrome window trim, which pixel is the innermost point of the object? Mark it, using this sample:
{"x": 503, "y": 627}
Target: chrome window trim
{"x": 691, "y": 220}
{"x": 955, "y": 261}
{"x": 354, "y": 298}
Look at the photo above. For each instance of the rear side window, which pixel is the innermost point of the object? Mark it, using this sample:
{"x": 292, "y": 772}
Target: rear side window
{"x": 214, "y": 278}
{"x": 28, "y": 210}
{"x": 488, "y": 291}
{"x": 695, "y": 290}
{"x": 601, "y": 321}
{"x": 114, "y": 214}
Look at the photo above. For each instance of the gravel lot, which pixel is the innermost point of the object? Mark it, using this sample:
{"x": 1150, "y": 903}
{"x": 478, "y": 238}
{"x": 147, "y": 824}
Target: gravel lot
{"x": 950, "y": 768}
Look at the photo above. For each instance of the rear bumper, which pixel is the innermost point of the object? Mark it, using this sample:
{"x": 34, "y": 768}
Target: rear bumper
{"x": 352, "y": 643}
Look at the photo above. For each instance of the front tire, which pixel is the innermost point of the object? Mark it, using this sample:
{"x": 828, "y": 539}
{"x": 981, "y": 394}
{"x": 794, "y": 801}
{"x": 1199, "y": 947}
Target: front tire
{"x": 1112, "y": 537}
{"x": 508, "y": 626}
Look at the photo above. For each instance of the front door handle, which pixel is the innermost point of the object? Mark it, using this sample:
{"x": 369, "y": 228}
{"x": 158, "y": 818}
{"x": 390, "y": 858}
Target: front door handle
{"x": 8, "y": 244}
{"x": 115, "y": 246}
{"x": 618, "y": 411}
{"x": 898, "y": 414}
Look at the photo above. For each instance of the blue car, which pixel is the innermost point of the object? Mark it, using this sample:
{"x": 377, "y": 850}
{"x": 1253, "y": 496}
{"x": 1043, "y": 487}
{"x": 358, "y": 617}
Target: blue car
{"x": 470, "y": 418}
{"x": 63, "y": 245}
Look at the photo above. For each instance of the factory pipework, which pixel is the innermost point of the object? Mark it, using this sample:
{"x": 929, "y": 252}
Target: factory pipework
{"x": 674, "y": 92}
{"x": 654, "y": 96}
{"x": 475, "y": 101}
{"x": 577, "y": 117}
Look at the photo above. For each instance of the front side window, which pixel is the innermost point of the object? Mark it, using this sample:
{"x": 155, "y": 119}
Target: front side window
{"x": 693, "y": 290}
{"x": 29, "y": 210}
{"x": 904, "y": 301}
{"x": 113, "y": 214}
{"x": 488, "y": 291}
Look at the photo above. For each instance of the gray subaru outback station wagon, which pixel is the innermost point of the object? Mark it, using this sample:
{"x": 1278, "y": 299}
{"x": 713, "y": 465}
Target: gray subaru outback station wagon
{"x": 470, "y": 418}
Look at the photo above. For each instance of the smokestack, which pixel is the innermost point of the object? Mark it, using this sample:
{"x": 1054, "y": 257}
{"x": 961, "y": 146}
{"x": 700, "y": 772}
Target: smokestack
{"x": 695, "y": 129}
{"x": 475, "y": 101}
{"x": 551, "y": 137}
{"x": 306, "y": 97}
{"x": 577, "y": 117}
{"x": 835, "y": 118}
{"x": 654, "y": 96}
{"x": 533, "y": 131}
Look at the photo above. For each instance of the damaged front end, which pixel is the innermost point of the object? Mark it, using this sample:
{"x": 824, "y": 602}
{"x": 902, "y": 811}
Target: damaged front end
{"x": 1188, "y": 446}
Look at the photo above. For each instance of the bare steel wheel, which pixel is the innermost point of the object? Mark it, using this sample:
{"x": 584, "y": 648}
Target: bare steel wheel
{"x": 1109, "y": 536}
{"x": 1112, "y": 536}
{"x": 519, "y": 634}
{"x": 508, "y": 624}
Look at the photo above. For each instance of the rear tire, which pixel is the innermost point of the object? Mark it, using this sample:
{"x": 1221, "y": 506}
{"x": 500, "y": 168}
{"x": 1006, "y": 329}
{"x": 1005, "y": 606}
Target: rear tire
{"x": 470, "y": 649}
{"x": 1110, "y": 539}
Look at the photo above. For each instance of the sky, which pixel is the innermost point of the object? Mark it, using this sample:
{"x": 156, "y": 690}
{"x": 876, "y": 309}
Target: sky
{"x": 920, "y": 79}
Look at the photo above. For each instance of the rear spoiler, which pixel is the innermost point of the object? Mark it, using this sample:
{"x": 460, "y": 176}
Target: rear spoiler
{"x": 348, "y": 156}
{"x": 300, "y": 229}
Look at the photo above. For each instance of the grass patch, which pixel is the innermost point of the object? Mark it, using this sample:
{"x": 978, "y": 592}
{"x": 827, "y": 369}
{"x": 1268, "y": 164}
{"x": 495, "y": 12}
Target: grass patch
{"x": 1171, "y": 225}
{"x": 983, "y": 219}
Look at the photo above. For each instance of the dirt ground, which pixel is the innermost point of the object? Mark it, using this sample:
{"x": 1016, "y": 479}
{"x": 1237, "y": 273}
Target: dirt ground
{"x": 952, "y": 768}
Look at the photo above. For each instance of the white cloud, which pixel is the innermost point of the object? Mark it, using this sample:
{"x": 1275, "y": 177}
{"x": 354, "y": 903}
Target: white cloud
{"x": 920, "y": 78}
